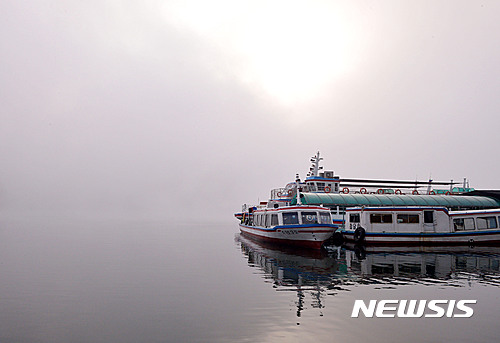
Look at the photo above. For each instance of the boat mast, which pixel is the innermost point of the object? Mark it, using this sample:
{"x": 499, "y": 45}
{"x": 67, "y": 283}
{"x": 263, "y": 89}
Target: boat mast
{"x": 297, "y": 185}
{"x": 314, "y": 170}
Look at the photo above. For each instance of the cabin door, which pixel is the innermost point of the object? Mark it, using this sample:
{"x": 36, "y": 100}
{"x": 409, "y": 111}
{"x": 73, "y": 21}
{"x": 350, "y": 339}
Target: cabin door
{"x": 429, "y": 221}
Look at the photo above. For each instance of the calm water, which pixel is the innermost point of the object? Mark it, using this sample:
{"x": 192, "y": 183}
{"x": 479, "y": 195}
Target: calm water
{"x": 119, "y": 281}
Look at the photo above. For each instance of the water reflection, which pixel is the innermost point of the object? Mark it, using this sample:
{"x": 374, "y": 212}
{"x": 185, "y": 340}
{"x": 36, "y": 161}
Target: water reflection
{"x": 325, "y": 273}
{"x": 449, "y": 266}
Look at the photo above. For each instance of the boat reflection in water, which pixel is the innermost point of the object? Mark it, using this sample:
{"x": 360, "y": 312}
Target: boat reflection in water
{"x": 328, "y": 272}
{"x": 446, "y": 265}
{"x": 305, "y": 271}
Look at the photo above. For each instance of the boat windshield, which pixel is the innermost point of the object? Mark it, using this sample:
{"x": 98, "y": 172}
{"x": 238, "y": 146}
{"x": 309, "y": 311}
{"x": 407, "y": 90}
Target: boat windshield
{"x": 290, "y": 218}
{"x": 325, "y": 217}
{"x": 309, "y": 218}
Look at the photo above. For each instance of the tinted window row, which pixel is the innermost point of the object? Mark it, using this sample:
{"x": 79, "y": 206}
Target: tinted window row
{"x": 481, "y": 223}
{"x": 291, "y": 218}
{"x": 400, "y": 218}
{"x": 387, "y": 218}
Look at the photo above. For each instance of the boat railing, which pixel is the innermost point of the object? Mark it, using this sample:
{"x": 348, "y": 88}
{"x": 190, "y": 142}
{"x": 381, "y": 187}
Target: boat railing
{"x": 400, "y": 191}
{"x": 278, "y": 193}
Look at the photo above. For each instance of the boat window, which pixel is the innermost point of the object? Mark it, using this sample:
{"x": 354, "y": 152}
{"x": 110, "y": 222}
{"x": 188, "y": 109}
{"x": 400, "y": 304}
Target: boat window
{"x": 458, "y": 224}
{"x": 486, "y": 223}
{"x": 429, "y": 217}
{"x": 336, "y": 187}
{"x": 268, "y": 220}
{"x": 325, "y": 217}
{"x": 354, "y": 217}
{"x": 274, "y": 219}
{"x": 408, "y": 219}
{"x": 469, "y": 224}
{"x": 380, "y": 218}
{"x": 461, "y": 224}
{"x": 290, "y": 218}
{"x": 312, "y": 186}
{"x": 309, "y": 218}
{"x": 321, "y": 186}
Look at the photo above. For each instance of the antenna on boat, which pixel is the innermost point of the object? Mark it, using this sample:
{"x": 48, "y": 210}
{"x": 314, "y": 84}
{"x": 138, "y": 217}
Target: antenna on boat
{"x": 297, "y": 183}
{"x": 314, "y": 170}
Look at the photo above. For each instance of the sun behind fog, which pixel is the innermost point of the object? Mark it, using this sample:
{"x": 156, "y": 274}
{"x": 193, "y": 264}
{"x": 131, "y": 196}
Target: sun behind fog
{"x": 289, "y": 49}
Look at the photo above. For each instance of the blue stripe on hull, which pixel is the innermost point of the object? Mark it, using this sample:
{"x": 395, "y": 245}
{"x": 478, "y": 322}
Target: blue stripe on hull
{"x": 491, "y": 238}
{"x": 289, "y": 227}
{"x": 425, "y": 234}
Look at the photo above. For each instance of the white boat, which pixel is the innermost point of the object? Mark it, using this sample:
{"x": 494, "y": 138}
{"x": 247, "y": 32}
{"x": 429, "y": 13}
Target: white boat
{"x": 302, "y": 225}
{"x": 421, "y": 225}
{"x": 341, "y": 197}
{"x": 324, "y": 188}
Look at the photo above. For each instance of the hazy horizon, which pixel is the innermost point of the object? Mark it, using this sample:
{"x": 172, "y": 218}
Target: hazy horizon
{"x": 169, "y": 108}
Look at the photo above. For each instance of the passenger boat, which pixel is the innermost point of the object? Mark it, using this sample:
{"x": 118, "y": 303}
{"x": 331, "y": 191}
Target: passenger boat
{"x": 324, "y": 188}
{"x": 300, "y": 225}
{"x": 324, "y": 191}
{"x": 421, "y": 225}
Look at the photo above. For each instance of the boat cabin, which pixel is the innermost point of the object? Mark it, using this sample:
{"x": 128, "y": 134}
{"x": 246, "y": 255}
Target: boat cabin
{"x": 325, "y": 183}
{"x": 420, "y": 219}
{"x": 398, "y": 220}
{"x": 297, "y": 215}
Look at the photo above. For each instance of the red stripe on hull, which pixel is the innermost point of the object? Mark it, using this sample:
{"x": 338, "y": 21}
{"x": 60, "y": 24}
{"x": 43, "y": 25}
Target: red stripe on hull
{"x": 299, "y": 243}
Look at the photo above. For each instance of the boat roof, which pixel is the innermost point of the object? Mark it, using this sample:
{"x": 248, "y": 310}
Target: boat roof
{"x": 320, "y": 178}
{"x": 350, "y": 200}
{"x": 293, "y": 208}
{"x": 490, "y": 211}
{"x": 398, "y": 208}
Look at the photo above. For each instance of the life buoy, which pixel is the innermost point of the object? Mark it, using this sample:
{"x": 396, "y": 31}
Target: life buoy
{"x": 447, "y": 193}
{"x": 345, "y": 190}
{"x": 432, "y": 193}
{"x": 380, "y": 191}
{"x": 398, "y": 191}
{"x": 290, "y": 192}
{"x": 327, "y": 189}
{"x": 362, "y": 190}
{"x": 415, "y": 192}
{"x": 279, "y": 194}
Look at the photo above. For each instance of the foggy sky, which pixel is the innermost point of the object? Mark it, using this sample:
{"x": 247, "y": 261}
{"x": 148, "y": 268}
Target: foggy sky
{"x": 162, "y": 109}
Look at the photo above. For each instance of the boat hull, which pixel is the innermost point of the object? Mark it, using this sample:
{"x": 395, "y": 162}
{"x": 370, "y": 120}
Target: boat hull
{"x": 308, "y": 236}
{"x": 485, "y": 237}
